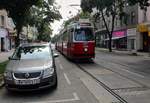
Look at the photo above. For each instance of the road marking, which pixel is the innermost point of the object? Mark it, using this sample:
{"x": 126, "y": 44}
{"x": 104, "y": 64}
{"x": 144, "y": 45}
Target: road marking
{"x": 67, "y": 79}
{"x": 75, "y": 98}
{"x": 100, "y": 93}
{"x": 139, "y": 75}
{"x": 61, "y": 67}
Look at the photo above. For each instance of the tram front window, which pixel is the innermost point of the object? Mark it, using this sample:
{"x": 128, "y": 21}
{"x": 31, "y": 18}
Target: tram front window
{"x": 84, "y": 34}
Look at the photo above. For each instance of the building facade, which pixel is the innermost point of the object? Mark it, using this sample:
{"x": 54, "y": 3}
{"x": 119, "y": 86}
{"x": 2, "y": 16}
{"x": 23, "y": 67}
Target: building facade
{"x": 130, "y": 33}
{"x": 28, "y": 34}
{"x": 6, "y": 31}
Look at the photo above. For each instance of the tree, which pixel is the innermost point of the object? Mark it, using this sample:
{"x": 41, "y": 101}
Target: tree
{"x": 42, "y": 17}
{"x": 81, "y": 15}
{"x": 110, "y": 9}
{"x": 21, "y": 12}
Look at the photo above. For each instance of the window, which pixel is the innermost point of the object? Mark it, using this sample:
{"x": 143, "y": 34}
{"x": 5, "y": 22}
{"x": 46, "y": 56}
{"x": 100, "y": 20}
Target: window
{"x": 2, "y": 20}
{"x": 132, "y": 17}
{"x": 144, "y": 15}
{"x": 84, "y": 34}
{"x": 116, "y": 22}
{"x": 65, "y": 36}
{"x": 32, "y": 52}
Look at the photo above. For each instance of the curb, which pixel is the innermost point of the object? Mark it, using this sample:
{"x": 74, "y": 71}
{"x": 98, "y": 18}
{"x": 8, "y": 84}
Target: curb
{"x": 1, "y": 81}
{"x": 119, "y": 52}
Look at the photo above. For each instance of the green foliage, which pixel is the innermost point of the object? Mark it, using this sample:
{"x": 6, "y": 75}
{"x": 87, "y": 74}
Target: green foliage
{"x": 3, "y": 66}
{"x": 44, "y": 32}
{"x": 42, "y": 17}
{"x": 55, "y": 39}
{"x": 82, "y": 15}
{"x": 22, "y": 13}
{"x": 143, "y": 3}
{"x": 19, "y": 11}
{"x": 111, "y": 9}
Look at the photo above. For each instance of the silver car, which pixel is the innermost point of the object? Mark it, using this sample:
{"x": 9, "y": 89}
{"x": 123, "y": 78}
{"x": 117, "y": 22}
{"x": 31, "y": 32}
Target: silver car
{"x": 31, "y": 67}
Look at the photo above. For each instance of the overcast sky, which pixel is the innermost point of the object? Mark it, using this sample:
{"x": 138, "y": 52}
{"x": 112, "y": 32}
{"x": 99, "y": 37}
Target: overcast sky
{"x": 65, "y": 8}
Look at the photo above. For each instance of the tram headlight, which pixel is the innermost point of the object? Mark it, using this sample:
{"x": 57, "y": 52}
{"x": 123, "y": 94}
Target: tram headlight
{"x": 85, "y": 49}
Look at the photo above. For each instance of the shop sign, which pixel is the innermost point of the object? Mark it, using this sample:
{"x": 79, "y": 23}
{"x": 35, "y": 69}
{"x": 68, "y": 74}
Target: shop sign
{"x": 142, "y": 28}
{"x": 149, "y": 33}
{"x": 131, "y": 32}
{"x": 119, "y": 33}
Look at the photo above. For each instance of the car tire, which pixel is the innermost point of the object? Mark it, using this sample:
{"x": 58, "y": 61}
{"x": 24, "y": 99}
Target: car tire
{"x": 8, "y": 90}
{"x": 56, "y": 83}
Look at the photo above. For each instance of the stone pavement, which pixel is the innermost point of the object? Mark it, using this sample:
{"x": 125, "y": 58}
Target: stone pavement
{"x": 4, "y": 55}
{"x": 126, "y": 52}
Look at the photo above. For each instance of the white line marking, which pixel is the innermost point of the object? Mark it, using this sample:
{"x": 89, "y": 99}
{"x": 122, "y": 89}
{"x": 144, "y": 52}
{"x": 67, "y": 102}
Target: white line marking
{"x": 61, "y": 67}
{"x": 67, "y": 79}
{"x": 139, "y": 75}
{"x": 75, "y": 98}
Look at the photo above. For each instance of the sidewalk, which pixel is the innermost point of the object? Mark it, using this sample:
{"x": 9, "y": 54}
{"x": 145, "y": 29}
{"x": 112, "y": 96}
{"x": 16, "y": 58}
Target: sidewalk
{"x": 4, "y": 57}
{"x": 125, "y": 52}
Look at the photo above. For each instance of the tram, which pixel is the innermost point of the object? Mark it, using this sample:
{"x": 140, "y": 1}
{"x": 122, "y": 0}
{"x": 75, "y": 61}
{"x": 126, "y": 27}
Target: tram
{"x": 76, "y": 41}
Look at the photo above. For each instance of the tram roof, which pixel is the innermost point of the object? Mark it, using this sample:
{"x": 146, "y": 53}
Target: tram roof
{"x": 81, "y": 24}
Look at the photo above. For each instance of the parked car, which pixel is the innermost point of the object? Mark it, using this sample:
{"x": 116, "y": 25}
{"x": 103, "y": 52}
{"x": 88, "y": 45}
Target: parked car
{"x": 31, "y": 67}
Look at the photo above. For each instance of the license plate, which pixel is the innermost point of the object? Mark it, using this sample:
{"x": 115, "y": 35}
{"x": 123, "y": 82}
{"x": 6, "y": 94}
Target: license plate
{"x": 27, "y": 82}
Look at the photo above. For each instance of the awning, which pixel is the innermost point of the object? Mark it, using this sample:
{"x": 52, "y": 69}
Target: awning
{"x": 114, "y": 38}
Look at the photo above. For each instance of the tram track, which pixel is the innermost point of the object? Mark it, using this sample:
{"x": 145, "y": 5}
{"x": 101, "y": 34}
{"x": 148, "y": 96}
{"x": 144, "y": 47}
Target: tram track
{"x": 121, "y": 100}
{"x": 108, "y": 68}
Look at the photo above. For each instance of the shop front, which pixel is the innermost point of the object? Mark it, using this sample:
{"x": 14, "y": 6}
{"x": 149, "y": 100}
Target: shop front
{"x": 100, "y": 37}
{"x": 131, "y": 39}
{"x": 119, "y": 39}
{"x": 4, "y": 40}
{"x": 144, "y": 37}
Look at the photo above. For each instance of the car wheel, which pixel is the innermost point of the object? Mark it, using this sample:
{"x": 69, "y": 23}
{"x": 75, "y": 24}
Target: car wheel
{"x": 8, "y": 90}
{"x": 56, "y": 83}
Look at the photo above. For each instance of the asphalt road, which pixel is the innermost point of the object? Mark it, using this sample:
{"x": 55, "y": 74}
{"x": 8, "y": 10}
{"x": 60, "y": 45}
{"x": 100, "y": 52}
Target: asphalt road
{"x": 70, "y": 88}
{"x": 110, "y": 78}
{"x": 126, "y": 75}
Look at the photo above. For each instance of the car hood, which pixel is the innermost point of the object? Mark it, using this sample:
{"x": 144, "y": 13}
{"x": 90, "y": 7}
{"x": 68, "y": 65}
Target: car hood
{"x": 28, "y": 65}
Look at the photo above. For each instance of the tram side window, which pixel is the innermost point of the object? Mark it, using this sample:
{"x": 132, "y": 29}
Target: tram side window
{"x": 65, "y": 36}
{"x": 70, "y": 33}
{"x": 84, "y": 34}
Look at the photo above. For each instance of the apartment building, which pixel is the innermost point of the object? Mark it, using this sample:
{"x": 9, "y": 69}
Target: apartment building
{"x": 130, "y": 33}
{"x": 6, "y": 31}
{"x": 28, "y": 33}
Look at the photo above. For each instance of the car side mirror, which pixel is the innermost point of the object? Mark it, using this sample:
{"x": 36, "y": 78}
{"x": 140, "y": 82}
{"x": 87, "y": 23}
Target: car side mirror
{"x": 56, "y": 55}
{"x": 10, "y": 58}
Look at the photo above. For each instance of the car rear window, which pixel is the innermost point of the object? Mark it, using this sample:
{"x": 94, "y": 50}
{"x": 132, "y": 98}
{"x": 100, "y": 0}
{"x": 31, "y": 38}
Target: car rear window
{"x": 33, "y": 52}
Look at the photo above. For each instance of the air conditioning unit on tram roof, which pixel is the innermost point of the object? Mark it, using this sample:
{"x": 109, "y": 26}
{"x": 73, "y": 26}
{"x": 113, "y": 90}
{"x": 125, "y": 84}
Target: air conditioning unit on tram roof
{"x": 84, "y": 20}
{"x": 80, "y": 22}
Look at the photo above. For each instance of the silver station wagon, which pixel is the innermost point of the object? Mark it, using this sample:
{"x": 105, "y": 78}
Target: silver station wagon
{"x": 31, "y": 67}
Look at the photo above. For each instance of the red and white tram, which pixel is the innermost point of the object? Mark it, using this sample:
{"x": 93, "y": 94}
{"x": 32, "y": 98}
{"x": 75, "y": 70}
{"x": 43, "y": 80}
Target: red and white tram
{"x": 77, "y": 41}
